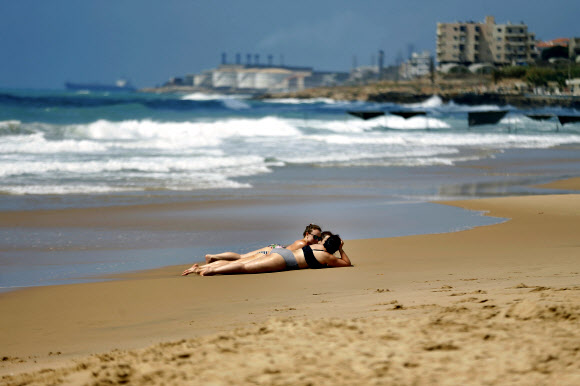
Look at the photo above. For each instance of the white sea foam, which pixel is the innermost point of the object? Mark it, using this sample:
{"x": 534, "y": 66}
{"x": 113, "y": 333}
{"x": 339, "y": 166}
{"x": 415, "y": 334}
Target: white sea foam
{"x": 211, "y": 151}
{"x": 200, "y": 96}
{"x": 234, "y": 102}
{"x": 433, "y": 102}
{"x": 180, "y": 135}
{"x": 10, "y": 124}
{"x": 229, "y": 166}
{"x": 456, "y": 107}
{"x": 300, "y": 101}
{"x": 38, "y": 144}
{"x": 95, "y": 188}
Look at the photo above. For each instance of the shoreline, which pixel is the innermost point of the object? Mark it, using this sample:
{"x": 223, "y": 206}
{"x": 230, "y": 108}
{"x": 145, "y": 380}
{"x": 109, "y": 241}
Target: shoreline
{"x": 471, "y": 93}
{"x": 396, "y": 284}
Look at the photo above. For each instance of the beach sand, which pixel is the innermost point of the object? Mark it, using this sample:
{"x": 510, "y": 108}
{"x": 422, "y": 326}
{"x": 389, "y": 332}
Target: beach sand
{"x": 497, "y": 304}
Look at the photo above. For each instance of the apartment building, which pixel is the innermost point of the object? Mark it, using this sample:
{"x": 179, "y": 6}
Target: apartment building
{"x": 574, "y": 49}
{"x": 467, "y": 43}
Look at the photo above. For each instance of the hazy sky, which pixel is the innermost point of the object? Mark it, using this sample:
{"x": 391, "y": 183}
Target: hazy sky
{"x": 44, "y": 43}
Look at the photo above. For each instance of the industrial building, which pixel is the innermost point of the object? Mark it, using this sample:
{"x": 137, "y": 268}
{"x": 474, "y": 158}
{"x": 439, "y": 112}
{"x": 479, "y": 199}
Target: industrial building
{"x": 254, "y": 77}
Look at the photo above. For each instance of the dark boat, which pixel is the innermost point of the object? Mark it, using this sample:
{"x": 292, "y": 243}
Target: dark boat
{"x": 540, "y": 117}
{"x": 120, "y": 85}
{"x": 366, "y": 114}
{"x": 568, "y": 119}
{"x": 407, "y": 114}
{"x": 475, "y": 118}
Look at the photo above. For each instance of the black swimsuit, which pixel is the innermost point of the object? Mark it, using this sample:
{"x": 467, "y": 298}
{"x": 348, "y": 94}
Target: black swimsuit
{"x": 310, "y": 259}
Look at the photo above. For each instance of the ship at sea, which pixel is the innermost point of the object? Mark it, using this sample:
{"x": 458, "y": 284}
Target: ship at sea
{"x": 121, "y": 85}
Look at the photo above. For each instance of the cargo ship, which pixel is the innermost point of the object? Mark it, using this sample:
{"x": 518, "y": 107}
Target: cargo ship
{"x": 120, "y": 85}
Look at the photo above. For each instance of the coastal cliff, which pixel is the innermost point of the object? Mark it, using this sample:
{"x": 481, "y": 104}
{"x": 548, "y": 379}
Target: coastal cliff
{"x": 466, "y": 92}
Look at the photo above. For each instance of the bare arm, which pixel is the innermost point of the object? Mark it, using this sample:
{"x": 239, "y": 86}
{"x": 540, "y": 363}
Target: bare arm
{"x": 296, "y": 245}
{"x": 344, "y": 261}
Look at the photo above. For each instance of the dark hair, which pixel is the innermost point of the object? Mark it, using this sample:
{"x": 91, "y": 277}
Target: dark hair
{"x": 325, "y": 233}
{"x": 332, "y": 244}
{"x": 310, "y": 228}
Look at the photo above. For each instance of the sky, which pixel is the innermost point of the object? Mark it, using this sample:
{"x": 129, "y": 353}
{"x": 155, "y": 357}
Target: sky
{"x": 44, "y": 43}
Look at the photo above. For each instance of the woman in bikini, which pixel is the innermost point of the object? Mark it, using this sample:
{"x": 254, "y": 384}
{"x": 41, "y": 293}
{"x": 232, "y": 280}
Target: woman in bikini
{"x": 281, "y": 259}
{"x": 311, "y": 235}
{"x": 317, "y": 245}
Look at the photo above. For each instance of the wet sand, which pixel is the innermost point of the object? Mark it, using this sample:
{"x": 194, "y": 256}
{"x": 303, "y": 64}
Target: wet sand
{"x": 497, "y": 304}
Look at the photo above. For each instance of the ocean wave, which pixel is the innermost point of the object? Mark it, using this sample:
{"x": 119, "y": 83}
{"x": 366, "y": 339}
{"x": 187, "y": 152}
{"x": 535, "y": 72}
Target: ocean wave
{"x": 230, "y": 166}
{"x": 188, "y": 133}
{"x": 434, "y": 101}
{"x": 103, "y": 188}
{"x": 92, "y": 101}
{"x": 200, "y": 96}
{"x": 234, "y": 102}
{"x": 456, "y": 107}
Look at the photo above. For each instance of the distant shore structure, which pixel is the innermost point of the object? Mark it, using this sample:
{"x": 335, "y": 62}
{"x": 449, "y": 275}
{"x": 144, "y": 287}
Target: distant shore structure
{"x": 122, "y": 85}
{"x": 255, "y": 78}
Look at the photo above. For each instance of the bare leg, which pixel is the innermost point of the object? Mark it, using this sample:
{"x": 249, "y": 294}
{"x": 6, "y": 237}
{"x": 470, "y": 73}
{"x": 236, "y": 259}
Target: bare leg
{"x": 265, "y": 263}
{"x": 233, "y": 256}
{"x": 261, "y": 250}
{"x": 229, "y": 256}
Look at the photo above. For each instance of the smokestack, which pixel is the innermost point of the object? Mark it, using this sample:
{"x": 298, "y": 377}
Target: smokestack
{"x": 224, "y": 58}
{"x": 381, "y": 63}
{"x": 238, "y": 59}
{"x": 248, "y": 59}
{"x": 270, "y": 60}
{"x": 257, "y": 59}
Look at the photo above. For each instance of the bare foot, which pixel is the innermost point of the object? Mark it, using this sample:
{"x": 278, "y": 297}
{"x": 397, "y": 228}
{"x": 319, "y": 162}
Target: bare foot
{"x": 206, "y": 271}
{"x": 210, "y": 258}
{"x": 192, "y": 269}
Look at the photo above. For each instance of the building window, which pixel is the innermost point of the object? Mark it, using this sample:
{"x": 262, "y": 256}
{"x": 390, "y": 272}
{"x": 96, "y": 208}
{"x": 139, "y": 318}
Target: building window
{"x": 462, "y": 28}
{"x": 499, "y": 30}
{"x": 477, "y": 28}
{"x": 499, "y": 39}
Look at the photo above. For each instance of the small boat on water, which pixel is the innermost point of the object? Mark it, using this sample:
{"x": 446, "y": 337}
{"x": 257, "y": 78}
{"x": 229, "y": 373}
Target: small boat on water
{"x": 120, "y": 85}
{"x": 366, "y": 114}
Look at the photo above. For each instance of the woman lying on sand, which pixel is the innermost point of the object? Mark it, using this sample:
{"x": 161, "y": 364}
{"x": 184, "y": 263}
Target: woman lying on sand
{"x": 311, "y": 235}
{"x": 281, "y": 259}
{"x": 196, "y": 268}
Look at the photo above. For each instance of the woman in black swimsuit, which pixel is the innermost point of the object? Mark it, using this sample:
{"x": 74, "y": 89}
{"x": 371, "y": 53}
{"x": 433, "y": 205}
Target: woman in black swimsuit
{"x": 311, "y": 235}
{"x": 284, "y": 259}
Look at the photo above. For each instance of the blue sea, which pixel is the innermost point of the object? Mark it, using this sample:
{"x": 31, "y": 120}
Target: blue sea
{"x": 373, "y": 178}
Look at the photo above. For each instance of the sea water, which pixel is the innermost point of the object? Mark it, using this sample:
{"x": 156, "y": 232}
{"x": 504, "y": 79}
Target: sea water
{"x": 61, "y": 149}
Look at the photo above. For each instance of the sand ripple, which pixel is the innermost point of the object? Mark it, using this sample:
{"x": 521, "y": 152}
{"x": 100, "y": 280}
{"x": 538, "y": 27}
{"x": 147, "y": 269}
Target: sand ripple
{"x": 530, "y": 337}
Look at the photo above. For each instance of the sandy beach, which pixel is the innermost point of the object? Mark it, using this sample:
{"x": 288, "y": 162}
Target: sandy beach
{"x": 497, "y": 304}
